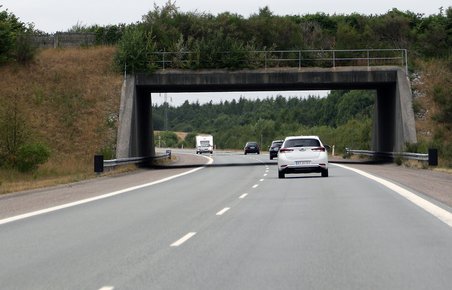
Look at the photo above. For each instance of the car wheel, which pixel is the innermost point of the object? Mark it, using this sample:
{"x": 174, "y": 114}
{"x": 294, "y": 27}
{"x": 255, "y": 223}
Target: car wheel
{"x": 271, "y": 157}
{"x": 258, "y": 152}
{"x": 245, "y": 152}
{"x": 325, "y": 173}
{"x": 281, "y": 174}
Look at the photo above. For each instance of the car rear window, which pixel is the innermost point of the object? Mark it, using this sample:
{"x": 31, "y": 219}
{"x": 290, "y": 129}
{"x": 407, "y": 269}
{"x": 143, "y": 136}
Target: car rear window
{"x": 302, "y": 143}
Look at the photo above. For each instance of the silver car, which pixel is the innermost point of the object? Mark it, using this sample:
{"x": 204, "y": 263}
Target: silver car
{"x": 302, "y": 154}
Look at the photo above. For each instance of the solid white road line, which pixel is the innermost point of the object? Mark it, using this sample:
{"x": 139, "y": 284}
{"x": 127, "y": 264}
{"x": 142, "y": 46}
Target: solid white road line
{"x": 71, "y": 204}
{"x": 243, "y": 196}
{"x": 183, "y": 239}
{"x": 256, "y": 185}
{"x": 221, "y": 212}
{"x": 433, "y": 209}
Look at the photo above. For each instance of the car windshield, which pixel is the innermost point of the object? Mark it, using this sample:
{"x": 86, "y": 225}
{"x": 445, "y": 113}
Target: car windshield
{"x": 277, "y": 144}
{"x": 302, "y": 143}
{"x": 251, "y": 144}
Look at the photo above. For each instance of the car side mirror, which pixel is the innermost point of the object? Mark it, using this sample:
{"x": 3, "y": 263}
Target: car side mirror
{"x": 328, "y": 147}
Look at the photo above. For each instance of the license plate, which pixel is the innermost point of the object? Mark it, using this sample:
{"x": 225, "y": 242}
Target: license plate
{"x": 302, "y": 162}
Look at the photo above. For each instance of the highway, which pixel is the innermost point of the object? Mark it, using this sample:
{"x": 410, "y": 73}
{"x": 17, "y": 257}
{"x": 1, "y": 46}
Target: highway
{"x": 233, "y": 227}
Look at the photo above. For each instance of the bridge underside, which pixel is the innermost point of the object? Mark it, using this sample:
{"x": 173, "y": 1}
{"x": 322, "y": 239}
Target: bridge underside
{"x": 393, "y": 117}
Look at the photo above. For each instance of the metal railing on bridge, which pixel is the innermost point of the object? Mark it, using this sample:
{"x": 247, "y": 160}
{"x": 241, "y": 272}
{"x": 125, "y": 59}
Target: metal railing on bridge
{"x": 280, "y": 58}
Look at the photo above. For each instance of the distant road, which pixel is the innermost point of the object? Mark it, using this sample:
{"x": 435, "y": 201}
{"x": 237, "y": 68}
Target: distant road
{"x": 233, "y": 227}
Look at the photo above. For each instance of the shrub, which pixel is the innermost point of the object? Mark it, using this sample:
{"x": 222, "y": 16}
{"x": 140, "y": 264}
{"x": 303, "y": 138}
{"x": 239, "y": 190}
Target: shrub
{"x": 190, "y": 140}
{"x": 166, "y": 139}
{"x": 15, "y": 39}
{"x": 108, "y": 152}
{"x": 135, "y": 50}
{"x": 31, "y": 155}
{"x": 398, "y": 160}
{"x": 13, "y": 130}
{"x": 25, "y": 48}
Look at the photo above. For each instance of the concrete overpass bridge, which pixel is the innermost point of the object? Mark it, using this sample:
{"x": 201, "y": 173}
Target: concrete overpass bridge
{"x": 381, "y": 70}
{"x": 394, "y": 123}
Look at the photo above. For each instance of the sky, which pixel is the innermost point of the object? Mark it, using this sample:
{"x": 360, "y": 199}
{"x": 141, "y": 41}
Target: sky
{"x": 60, "y": 15}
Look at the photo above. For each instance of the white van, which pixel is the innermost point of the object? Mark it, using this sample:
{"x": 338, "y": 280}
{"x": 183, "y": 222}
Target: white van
{"x": 204, "y": 144}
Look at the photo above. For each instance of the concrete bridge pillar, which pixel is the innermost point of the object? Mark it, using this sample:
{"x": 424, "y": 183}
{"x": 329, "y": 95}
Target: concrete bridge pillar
{"x": 394, "y": 123}
{"x": 135, "y": 132}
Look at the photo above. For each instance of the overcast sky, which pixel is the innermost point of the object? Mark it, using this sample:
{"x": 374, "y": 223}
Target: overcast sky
{"x": 60, "y": 15}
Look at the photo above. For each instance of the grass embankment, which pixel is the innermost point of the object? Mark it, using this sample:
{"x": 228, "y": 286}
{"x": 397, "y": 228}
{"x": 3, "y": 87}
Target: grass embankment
{"x": 68, "y": 99}
{"x": 432, "y": 106}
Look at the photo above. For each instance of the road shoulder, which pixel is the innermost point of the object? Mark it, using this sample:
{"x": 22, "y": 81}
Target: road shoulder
{"x": 433, "y": 184}
{"x": 17, "y": 203}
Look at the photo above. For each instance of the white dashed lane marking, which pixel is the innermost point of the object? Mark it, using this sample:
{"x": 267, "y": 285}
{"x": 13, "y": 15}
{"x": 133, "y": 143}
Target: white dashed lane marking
{"x": 221, "y": 212}
{"x": 256, "y": 185}
{"x": 243, "y": 196}
{"x": 183, "y": 239}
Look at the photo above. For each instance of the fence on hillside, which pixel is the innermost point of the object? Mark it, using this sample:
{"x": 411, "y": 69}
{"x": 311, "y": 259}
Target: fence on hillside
{"x": 65, "y": 39}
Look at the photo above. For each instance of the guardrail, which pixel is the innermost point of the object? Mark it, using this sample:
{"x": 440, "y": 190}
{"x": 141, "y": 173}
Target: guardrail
{"x": 405, "y": 155}
{"x": 100, "y": 163}
{"x": 431, "y": 156}
{"x": 281, "y": 58}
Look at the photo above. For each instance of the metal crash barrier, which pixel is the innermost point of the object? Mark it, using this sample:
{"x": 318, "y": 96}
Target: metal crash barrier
{"x": 431, "y": 157}
{"x": 100, "y": 163}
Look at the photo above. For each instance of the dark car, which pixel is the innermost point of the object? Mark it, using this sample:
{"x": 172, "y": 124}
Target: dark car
{"x": 274, "y": 148}
{"x": 252, "y": 147}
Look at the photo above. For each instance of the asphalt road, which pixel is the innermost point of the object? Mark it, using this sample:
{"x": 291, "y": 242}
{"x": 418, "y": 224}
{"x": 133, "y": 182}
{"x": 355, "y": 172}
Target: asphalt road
{"x": 233, "y": 227}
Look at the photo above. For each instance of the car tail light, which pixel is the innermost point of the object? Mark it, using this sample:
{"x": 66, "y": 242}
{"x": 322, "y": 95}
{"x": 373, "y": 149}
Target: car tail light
{"x": 283, "y": 150}
{"x": 320, "y": 149}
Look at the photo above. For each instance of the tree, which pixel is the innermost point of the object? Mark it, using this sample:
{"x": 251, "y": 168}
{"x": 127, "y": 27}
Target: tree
{"x": 355, "y": 104}
{"x": 135, "y": 50}
{"x": 13, "y": 133}
{"x": 31, "y": 155}
{"x": 16, "y": 42}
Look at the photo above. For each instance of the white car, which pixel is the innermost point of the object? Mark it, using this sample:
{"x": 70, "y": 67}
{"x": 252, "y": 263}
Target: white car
{"x": 302, "y": 154}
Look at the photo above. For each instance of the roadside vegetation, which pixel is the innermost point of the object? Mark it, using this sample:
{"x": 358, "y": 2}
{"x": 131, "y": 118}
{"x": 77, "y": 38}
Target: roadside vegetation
{"x": 55, "y": 114}
{"x": 59, "y": 107}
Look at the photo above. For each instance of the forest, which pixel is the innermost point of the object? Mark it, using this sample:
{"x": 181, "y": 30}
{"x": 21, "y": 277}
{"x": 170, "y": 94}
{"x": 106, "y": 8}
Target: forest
{"x": 342, "y": 119}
